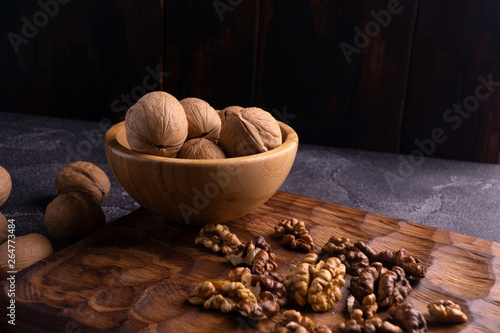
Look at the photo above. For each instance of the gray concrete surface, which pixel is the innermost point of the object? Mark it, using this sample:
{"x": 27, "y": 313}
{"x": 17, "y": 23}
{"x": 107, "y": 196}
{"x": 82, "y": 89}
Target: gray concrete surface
{"x": 458, "y": 196}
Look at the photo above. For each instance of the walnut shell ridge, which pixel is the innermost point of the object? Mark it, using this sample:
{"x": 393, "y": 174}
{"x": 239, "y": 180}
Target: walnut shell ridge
{"x": 156, "y": 125}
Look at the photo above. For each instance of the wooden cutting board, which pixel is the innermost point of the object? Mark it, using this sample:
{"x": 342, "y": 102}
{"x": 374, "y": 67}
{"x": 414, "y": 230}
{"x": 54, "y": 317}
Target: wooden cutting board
{"x": 134, "y": 275}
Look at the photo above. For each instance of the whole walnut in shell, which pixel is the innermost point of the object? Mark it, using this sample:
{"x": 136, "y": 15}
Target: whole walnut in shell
{"x": 156, "y": 125}
{"x": 4, "y": 228}
{"x": 30, "y": 249}
{"x": 248, "y": 131}
{"x": 83, "y": 177}
{"x": 200, "y": 148}
{"x": 5, "y": 185}
{"x": 203, "y": 120}
{"x": 73, "y": 215}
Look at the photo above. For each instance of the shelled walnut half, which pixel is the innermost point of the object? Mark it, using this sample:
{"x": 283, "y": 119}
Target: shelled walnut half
{"x": 218, "y": 238}
{"x": 408, "y": 318}
{"x": 258, "y": 256}
{"x": 366, "y": 282}
{"x": 445, "y": 311}
{"x": 393, "y": 287}
{"x": 412, "y": 266}
{"x": 228, "y": 296}
{"x": 294, "y": 234}
{"x": 294, "y": 321}
{"x": 317, "y": 284}
{"x": 351, "y": 256}
{"x": 259, "y": 283}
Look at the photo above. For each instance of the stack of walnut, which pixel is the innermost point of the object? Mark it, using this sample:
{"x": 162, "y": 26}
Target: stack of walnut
{"x": 76, "y": 211}
{"x": 159, "y": 124}
{"x": 378, "y": 280}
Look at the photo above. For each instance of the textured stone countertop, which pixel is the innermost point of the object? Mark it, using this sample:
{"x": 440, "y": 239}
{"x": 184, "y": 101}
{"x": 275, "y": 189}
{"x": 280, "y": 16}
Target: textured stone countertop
{"x": 463, "y": 197}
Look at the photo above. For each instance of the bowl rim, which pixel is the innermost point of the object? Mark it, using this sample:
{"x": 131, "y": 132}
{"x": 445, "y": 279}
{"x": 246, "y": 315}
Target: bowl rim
{"x": 110, "y": 141}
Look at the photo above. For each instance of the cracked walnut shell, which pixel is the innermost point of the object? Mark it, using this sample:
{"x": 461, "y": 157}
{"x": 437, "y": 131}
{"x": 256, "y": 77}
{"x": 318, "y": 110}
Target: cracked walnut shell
{"x": 218, "y": 238}
{"x": 446, "y": 312}
{"x": 201, "y": 149}
{"x": 294, "y": 234}
{"x": 203, "y": 120}
{"x": 83, "y": 177}
{"x": 156, "y": 125}
{"x": 248, "y": 131}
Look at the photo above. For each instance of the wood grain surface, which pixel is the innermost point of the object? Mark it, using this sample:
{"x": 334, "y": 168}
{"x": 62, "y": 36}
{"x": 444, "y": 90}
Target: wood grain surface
{"x": 134, "y": 275}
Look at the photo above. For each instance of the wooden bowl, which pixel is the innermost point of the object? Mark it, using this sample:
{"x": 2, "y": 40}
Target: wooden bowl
{"x": 199, "y": 191}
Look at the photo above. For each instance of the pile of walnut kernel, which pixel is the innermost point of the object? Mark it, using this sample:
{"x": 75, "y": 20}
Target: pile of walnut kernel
{"x": 255, "y": 289}
{"x": 159, "y": 124}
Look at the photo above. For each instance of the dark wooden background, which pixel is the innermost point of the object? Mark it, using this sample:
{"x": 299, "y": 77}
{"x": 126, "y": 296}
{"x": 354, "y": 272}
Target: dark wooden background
{"x": 94, "y": 58}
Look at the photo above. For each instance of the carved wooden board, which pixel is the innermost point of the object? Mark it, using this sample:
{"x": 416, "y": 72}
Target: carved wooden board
{"x": 134, "y": 275}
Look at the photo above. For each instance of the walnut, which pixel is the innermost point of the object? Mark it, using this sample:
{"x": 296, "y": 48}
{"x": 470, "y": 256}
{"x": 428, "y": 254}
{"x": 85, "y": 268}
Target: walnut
{"x": 318, "y": 285}
{"x": 446, "y": 312}
{"x": 372, "y": 325}
{"x": 297, "y": 281}
{"x": 244, "y": 254}
{"x": 366, "y": 249}
{"x": 267, "y": 306}
{"x": 4, "y": 228}
{"x": 393, "y": 287}
{"x": 5, "y": 185}
{"x": 369, "y": 306}
{"x": 293, "y": 321}
{"x": 294, "y": 234}
{"x": 324, "y": 290}
{"x": 222, "y": 295}
{"x": 408, "y": 318}
{"x": 70, "y": 216}
{"x": 352, "y": 257}
{"x": 29, "y": 249}
{"x": 218, "y": 238}
{"x": 366, "y": 282}
{"x": 259, "y": 257}
{"x": 156, "y": 125}
{"x": 83, "y": 177}
{"x": 203, "y": 121}
{"x": 377, "y": 325}
{"x": 265, "y": 260}
{"x": 201, "y": 149}
{"x": 248, "y": 131}
{"x": 260, "y": 283}
{"x": 412, "y": 266}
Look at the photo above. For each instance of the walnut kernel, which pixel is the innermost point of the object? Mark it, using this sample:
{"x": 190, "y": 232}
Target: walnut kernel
{"x": 5, "y": 185}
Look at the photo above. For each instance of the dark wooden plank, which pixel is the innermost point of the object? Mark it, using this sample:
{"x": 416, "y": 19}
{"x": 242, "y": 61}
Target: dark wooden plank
{"x": 80, "y": 61}
{"x": 210, "y": 50}
{"x": 454, "y": 46}
{"x": 355, "y": 102}
{"x": 135, "y": 273}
